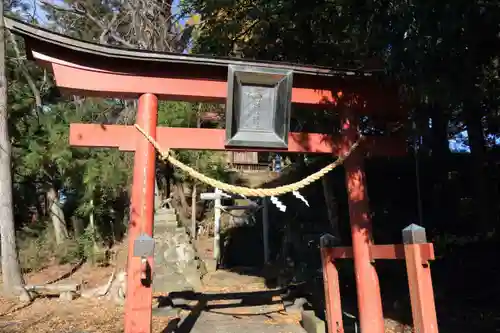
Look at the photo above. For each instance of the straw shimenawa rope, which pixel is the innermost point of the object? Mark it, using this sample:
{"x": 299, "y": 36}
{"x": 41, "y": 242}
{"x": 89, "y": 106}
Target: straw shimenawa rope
{"x": 247, "y": 191}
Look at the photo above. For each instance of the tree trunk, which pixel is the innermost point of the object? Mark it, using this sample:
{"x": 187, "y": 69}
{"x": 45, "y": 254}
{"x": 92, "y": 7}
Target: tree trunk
{"x": 11, "y": 270}
{"x": 57, "y": 217}
{"x": 331, "y": 206}
{"x": 179, "y": 191}
{"x": 440, "y": 153}
{"x": 92, "y": 227}
{"x": 78, "y": 227}
{"x": 473, "y": 120}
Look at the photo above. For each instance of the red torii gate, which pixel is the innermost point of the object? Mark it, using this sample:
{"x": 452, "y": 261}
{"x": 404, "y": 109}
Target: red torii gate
{"x": 89, "y": 69}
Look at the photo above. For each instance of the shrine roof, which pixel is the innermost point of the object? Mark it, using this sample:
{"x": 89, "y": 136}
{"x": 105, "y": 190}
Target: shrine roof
{"x": 182, "y": 65}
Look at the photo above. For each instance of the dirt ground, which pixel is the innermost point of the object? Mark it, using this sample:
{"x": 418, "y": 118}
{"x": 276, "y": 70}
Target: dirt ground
{"x": 46, "y": 315}
{"x": 53, "y": 315}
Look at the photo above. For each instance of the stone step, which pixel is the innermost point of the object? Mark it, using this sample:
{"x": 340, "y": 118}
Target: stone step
{"x": 161, "y": 229}
{"x": 166, "y": 217}
{"x": 166, "y": 211}
{"x": 247, "y": 306}
{"x": 162, "y": 220}
{"x": 165, "y": 222}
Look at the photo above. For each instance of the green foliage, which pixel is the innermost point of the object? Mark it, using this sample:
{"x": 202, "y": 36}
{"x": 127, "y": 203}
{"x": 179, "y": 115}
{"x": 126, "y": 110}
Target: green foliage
{"x": 443, "y": 53}
{"x": 38, "y": 250}
{"x": 95, "y": 181}
{"x": 87, "y": 243}
{"x": 42, "y": 156}
{"x": 178, "y": 114}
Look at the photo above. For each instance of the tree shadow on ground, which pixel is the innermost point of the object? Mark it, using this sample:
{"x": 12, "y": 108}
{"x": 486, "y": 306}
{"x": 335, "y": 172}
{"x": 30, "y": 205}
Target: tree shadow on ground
{"x": 237, "y": 305}
{"x": 464, "y": 276}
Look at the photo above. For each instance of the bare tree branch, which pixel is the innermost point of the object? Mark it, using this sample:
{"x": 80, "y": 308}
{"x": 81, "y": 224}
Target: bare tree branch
{"x": 79, "y": 9}
{"x": 25, "y": 72}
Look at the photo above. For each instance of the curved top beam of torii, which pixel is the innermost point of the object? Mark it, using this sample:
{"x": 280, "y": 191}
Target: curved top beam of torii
{"x": 59, "y": 40}
{"x": 90, "y": 69}
{"x": 87, "y": 68}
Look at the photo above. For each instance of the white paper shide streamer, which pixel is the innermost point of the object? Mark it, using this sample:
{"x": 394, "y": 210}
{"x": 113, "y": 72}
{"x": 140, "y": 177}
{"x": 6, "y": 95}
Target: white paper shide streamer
{"x": 300, "y": 197}
{"x": 278, "y": 204}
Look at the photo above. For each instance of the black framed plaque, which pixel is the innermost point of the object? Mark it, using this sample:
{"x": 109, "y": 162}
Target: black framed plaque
{"x": 258, "y": 107}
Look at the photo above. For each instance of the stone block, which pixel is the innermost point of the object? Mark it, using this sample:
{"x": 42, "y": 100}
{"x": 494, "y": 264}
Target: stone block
{"x": 169, "y": 282}
{"x": 180, "y": 238}
{"x": 193, "y": 278}
{"x": 311, "y": 323}
{"x": 182, "y": 231}
{"x": 202, "y": 268}
{"x": 177, "y": 266}
{"x": 296, "y": 307}
{"x": 166, "y": 312}
{"x": 210, "y": 265}
{"x": 170, "y": 255}
{"x": 166, "y": 211}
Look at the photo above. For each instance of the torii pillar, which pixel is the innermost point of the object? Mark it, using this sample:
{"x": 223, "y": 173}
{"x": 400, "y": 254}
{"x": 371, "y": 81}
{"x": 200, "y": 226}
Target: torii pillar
{"x": 367, "y": 284}
{"x": 139, "y": 289}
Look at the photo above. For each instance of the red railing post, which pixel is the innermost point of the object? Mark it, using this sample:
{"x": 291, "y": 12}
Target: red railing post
{"x": 423, "y": 307}
{"x": 138, "y": 303}
{"x": 332, "y": 286}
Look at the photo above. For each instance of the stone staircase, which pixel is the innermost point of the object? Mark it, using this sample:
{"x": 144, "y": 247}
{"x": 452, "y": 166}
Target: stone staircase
{"x": 177, "y": 265}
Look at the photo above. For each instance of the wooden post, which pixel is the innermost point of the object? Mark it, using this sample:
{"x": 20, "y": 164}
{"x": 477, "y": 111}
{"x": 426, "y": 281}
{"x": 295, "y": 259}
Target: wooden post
{"x": 423, "y": 308}
{"x": 138, "y": 303}
{"x": 217, "y": 215}
{"x": 265, "y": 229}
{"x": 332, "y": 287}
{"x": 371, "y": 317}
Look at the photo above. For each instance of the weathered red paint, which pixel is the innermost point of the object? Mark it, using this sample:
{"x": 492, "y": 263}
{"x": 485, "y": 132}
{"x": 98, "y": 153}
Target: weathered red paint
{"x": 124, "y": 137}
{"x": 332, "y": 293}
{"x": 121, "y": 84}
{"x": 423, "y": 307}
{"x": 95, "y": 82}
{"x": 417, "y": 257}
{"x": 371, "y": 317}
{"x": 386, "y": 251}
{"x": 138, "y": 303}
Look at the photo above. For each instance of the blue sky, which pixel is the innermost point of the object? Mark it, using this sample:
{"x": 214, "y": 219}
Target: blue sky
{"x": 457, "y": 144}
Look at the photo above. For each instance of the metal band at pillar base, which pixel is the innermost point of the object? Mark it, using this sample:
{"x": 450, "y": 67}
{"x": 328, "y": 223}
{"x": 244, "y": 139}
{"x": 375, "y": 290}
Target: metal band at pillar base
{"x": 258, "y": 107}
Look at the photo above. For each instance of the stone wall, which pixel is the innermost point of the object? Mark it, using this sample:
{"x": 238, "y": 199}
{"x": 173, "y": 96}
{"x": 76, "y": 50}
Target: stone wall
{"x": 177, "y": 265}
